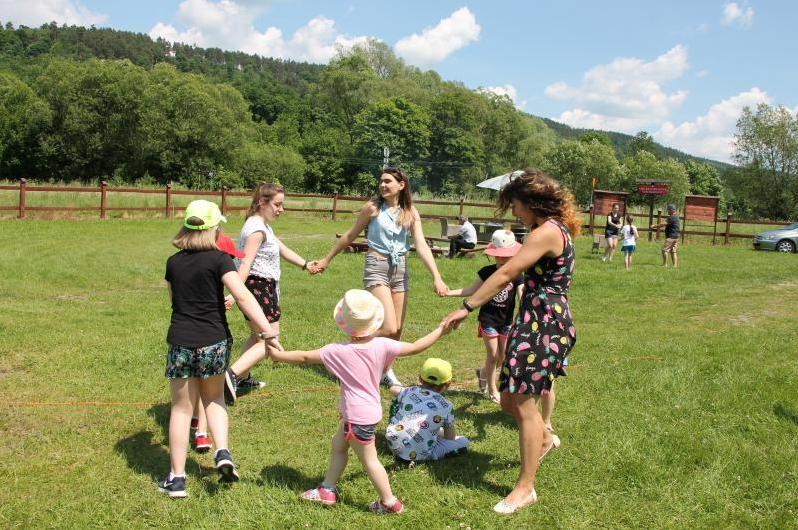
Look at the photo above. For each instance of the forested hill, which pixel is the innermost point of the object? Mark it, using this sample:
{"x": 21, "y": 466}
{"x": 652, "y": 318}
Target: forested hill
{"x": 88, "y": 103}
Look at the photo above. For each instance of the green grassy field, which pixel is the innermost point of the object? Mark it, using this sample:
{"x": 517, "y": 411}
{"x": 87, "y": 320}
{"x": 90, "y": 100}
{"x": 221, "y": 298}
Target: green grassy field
{"x": 680, "y": 410}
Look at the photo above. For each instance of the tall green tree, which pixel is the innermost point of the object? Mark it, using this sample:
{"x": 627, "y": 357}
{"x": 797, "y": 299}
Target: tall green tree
{"x": 766, "y": 148}
{"x": 644, "y": 165}
{"x": 576, "y": 163}
{"x": 23, "y": 117}
{"x": 455, "y": 150}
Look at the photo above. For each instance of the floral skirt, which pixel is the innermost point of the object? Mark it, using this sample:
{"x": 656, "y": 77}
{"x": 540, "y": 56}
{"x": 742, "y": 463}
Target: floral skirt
{"x": 183, "y": 362}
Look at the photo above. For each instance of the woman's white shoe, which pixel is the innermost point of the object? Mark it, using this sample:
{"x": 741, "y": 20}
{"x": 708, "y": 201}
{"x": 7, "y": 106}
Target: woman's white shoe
{"x": 506, "y": 508}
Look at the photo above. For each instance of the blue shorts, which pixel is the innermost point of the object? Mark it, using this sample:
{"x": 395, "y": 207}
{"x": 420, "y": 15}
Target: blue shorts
{"x": 491, "y": 332}
{"x": 628, "y": 249}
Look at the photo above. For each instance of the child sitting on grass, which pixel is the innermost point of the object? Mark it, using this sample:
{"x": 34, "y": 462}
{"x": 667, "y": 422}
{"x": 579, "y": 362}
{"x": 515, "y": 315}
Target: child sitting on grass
{"x": 358, "y": 365}
{"x": 422, "y": 420}
{"x": 496, "y": 317}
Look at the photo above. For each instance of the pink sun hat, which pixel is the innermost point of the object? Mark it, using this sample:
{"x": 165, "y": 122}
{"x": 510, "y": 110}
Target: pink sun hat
{"x": 359, "y": 313}
{"x": 503, "y": 244}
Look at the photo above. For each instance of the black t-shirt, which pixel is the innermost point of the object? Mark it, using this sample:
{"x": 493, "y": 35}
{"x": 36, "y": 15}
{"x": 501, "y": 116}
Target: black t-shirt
{"x": 198, "y": 314}
{"x": 612, "y": 229}
{"x": 672, "y": 227}
{"x": 499, "y": 311}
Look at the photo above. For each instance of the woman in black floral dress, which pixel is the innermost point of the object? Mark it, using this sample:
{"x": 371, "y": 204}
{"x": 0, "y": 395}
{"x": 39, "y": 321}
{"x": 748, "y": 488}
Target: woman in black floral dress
{"x": 543, "y": 334}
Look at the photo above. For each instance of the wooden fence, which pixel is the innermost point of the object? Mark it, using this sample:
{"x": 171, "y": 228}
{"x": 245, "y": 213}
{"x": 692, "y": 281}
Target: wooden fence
{"x": 337, "y": 206}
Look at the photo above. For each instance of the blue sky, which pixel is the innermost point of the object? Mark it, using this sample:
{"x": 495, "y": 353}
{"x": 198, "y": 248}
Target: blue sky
{"x": 681, "y": 70}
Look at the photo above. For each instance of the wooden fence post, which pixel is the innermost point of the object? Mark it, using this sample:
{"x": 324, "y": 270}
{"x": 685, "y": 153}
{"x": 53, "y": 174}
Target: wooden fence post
{"x": 591, "y": 218}
{"x": 659, "y": 220}
{"x": 224, "y": 200}
{"x": 103, "y": 190}
{"x": 168, "y": 200}
{"x": 728, "y": 229}
{"x": 23, "y": 184}
{"x": 334, "y": 205}
{"x": 462, "y": 200}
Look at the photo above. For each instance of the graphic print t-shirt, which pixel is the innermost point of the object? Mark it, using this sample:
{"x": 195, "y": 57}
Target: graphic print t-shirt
{"x": 499, "y": 311}
{"x": 416, "y": 416}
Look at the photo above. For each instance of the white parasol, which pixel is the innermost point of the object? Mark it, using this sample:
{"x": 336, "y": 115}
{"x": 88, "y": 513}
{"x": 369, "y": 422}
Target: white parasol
{"x": 497, "y": 183}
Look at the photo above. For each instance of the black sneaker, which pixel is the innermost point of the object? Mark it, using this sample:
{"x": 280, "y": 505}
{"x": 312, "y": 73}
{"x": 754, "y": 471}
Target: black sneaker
{"x": 225, "y": 466}
{"x": 230, "y": 385}
{"x": 175, "y": 488}
{"x": 248, "y": 385}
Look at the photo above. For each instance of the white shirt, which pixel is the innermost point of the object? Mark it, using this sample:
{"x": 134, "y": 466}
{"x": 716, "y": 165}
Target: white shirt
{"x": 267, "y": 261}
{"x": 628, "y": 235}
{"x": 417, "y": 414}
{"x": 468, "y": 232}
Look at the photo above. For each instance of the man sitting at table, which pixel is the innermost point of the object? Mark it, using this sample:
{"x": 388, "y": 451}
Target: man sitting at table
{"x": 466, "y": 237}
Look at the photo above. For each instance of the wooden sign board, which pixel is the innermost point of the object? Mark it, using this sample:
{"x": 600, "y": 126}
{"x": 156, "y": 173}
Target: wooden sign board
{"x": 653, "y": 187}
{"x": 701, "y": 208}
{"x": 603, "y": 201}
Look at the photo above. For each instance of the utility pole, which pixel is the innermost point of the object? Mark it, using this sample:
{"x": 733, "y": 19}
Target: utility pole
{"x": 386, "y": 157}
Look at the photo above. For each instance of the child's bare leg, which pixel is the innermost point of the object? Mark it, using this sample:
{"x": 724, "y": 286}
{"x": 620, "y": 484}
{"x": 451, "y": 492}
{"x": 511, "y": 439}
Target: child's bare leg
{"x": 253, "y": 352}
{"x": 184, "y": 392}
{"x": 493, "y": 345}
{"x": 367, "y": 454}
{"x": 212, "y": 393}
{"x": 199, "y": 413}
{"x": 339, "y": 456}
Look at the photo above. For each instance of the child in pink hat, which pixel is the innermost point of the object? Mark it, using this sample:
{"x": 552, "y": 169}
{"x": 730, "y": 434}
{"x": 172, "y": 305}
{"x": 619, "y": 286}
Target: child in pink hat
{"x": 358, "y": 365}
{"x": 496, "y": 317}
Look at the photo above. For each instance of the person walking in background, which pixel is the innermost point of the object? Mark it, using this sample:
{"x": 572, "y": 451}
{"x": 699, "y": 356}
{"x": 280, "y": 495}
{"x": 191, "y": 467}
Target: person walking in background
{"x": 495, "y": 317}
{"x": 391, "y": 218}
{"x": 260, "y": 271}
{"x": 199, "y": 338}
{"x": 672, "y": 234}
{"x": 630, "y": 235}
{"x": 611, "y": 229}
{"x": 466, "y": 237}
{"x": 543, "y": 334}
{"x": 358, "y": 365}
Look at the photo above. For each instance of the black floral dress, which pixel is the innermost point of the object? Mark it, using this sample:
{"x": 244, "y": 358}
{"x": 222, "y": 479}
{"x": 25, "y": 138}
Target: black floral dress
{"x": 543, "y": 333}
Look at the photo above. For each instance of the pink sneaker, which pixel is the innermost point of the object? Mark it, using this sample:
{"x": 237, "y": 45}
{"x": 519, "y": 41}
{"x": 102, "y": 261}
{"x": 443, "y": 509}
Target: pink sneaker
{"x": 382, "y": 509}
{"x": 202, "y": 443}
{"x": 321, "y": 495}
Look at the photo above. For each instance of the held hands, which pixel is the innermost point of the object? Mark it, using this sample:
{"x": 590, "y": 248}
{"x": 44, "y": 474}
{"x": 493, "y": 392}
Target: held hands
{"x": 441, "y": 289}
{"x": 317, "y": 266}
{"x": 229, "y": 302}
{"x": 454, "y": 319}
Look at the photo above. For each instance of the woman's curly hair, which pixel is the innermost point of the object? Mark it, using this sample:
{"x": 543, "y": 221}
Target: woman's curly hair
{"x": 544, "y": 196}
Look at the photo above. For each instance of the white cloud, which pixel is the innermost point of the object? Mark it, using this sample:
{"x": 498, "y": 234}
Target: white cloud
{"x": 626, "y": 94}
{"x": 734, "y": 13}
{"x": 506, "y": 90}
{"x": 41, "y": 12}
{"x": 711, "y": 135}
{"x": 229, "y": 25}
{"x": 437, "y": 43}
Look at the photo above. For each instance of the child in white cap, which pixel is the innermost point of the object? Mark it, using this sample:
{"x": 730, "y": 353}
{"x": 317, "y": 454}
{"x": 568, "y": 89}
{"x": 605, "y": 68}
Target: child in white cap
{"x": 358, "y": 365}
{"x": 199, "y": 338}
{"x": 422, "y": 420}
{"x": 496, "y": 317}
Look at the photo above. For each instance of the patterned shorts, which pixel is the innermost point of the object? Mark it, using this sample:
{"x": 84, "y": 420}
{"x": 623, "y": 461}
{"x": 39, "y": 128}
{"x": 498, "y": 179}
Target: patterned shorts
{"x": 183, "y": 362}
{"x": 267, "y": 292}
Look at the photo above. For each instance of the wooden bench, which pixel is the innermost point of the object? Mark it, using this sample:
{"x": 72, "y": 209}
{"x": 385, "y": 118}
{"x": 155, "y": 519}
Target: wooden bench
{"x": 361, "y": 245}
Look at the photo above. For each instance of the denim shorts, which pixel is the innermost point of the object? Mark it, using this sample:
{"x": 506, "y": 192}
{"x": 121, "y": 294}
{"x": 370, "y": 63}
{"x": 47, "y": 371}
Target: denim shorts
{"x": 628, "y": 248}
{"x": 183, "y": 362}
{"x": 491, "y": 332}
{"x": 380, "y": 271}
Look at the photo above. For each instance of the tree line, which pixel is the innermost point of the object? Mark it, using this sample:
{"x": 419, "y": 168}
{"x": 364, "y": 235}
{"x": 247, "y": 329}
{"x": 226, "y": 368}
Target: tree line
{"x": 87, "y": 104}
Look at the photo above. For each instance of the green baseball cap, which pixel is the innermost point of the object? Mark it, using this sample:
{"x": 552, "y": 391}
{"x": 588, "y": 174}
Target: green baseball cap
{"x": 205, "y": 210}
{"x": 436, "y": 371}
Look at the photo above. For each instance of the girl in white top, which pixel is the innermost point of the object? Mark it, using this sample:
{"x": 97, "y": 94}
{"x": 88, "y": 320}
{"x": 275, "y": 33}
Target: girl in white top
{"x": 259, "y": 269}
{"x": 629, "y": 234}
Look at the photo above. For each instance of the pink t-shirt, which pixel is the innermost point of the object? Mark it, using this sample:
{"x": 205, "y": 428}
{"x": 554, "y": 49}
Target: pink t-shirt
{"x": 359, "y": 368}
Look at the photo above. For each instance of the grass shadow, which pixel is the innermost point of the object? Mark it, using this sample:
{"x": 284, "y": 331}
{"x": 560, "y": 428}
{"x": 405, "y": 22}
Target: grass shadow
{"x": 786, "y": 414}
{"x": 284, "y": 476}
{"x": 160, "y": 413}
{"x": 481, "y": 419}
{"x": 467, "y": 469}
